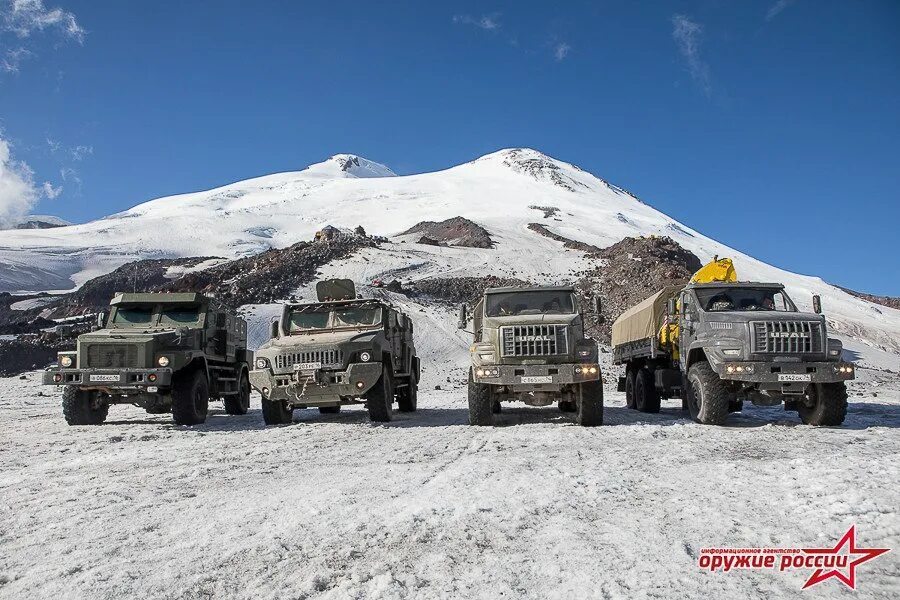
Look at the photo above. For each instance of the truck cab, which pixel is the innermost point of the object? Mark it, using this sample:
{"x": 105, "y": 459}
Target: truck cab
{"x": 529, "y": 345}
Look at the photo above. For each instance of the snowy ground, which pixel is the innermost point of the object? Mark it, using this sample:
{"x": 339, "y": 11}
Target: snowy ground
{"x": 428, "y": 507}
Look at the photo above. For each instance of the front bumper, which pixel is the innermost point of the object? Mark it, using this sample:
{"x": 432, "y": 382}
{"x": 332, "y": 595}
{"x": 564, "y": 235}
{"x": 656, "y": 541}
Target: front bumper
{"x": 536, "y": 377}
{"x": 316, "y": 388}
{"x": 109, "y": 379}
{"x": 787, "y": 372}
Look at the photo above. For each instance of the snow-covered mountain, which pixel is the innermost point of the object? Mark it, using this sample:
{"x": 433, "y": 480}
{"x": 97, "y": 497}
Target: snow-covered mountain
{"x": 39, "y": 222}
{"x": 504, "y": 192}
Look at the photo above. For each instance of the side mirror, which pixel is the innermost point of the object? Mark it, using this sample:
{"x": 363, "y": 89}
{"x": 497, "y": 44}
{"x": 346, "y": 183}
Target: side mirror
{"x": 671, "y": 306}
{"x": 101, "y": 320}
{"x": 817, "y": 304}
{"x": 463, "y": 317}
{"x": 275, "y": 329}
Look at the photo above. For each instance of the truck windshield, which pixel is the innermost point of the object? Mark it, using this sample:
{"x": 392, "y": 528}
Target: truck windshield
{"x": 133, "y": 315}
{"x": 180, "y": 315}
{"x": 354, "y": 316}
{"x": 744, "y": 299}
{"x": 508, "y": 304}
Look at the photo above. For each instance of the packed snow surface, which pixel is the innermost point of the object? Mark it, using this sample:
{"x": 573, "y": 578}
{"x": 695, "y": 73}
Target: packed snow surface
{"x": 334, "y": 507}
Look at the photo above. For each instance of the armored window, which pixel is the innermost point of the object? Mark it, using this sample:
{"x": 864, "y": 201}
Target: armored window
{"x": 745, "y": 299}
{"x": 356, "y": 317}
{"x": 304, "y": 321}
{"x": 180, "y": 315}
{"x": 133, "y": 315}
{"x": 530, "y": 303}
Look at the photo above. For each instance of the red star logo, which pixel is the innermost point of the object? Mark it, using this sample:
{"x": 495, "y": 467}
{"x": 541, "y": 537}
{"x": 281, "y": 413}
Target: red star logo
{"x": 849, "y": 579}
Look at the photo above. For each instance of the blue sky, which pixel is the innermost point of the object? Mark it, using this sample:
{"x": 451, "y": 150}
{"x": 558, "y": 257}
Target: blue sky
{"x": 771, "y": 125}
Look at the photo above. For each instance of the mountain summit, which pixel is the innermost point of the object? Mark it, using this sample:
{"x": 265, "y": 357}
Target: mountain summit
{"x": 348, "y": 165}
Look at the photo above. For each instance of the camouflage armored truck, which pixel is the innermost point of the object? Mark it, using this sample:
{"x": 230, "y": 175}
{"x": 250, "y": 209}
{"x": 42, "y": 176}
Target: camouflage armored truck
{"x": 530, "y": 346}
{"x": 161, "y": 351}
{"x": 716, "y": 344}
{"x": 336, "y": 351}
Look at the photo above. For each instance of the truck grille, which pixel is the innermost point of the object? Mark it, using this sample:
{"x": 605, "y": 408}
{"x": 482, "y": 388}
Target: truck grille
{"x": 788, "y": 337}
{"x": 534, "y": 340}
{"x": 112, "y": 356}
{"x": 329, "y": 357}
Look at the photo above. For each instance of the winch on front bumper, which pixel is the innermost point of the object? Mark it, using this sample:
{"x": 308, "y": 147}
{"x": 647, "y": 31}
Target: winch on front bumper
{"x": 109, "y": 379}
{"x": 530, "y": 377}
{"x": 318, "y": 387}
{"x": 786, "y": 372}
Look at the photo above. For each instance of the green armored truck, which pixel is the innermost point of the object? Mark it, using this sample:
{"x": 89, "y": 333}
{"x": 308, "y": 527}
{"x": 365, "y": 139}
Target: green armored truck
{"x": 339, "y": 350}
{"x": 161, "y": 351}
{"x": 530, "y": 346}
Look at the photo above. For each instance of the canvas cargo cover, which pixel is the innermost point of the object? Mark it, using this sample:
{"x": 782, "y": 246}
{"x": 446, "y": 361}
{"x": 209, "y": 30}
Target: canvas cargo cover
{"x": 643, "y": 320}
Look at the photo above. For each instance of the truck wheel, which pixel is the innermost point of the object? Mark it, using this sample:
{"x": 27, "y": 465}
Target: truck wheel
{"x": 481, "y": 402}
{"x": 629, "y": 388}
{"x": 707, "y": 398}
{"x": 589, "y": 399}
{"x": 408, "y": 397}
{"x": 81, "y": 407}
{"x": 239, "y": 404}
{"x": 330, "y": 410}
{"x": 568, "y": 406}
{"x": 380, "y": 398}
{"x": 646, "y": 398}
{"x": 828, "y": 404}
{"x": 190, "y": 398}
{"x": 276, "y": 412}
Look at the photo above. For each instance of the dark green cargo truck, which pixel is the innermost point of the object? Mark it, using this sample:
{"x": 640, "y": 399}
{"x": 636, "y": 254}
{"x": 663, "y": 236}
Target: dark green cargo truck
{"x": 161, "y": 351}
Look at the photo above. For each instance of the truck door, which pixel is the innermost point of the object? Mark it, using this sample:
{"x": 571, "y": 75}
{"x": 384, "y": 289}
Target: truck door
{"x": 687, "y": 320}
{"x": 394, "y": 335}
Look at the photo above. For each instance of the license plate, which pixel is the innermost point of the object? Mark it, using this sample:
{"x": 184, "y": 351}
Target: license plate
{"x": 797, "y": 377}
{"x": 311, "y": 366}
{"x": 104, "y": 378}
{"x": 538, "y": 379}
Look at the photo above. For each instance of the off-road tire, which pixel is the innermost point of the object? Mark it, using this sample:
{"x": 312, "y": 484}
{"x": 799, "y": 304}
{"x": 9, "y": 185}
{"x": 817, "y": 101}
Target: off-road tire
{"x": 380, "y": 398}
{"x": 190, "y": 398}
{"x": 277, "y": 412}
{"x": 829, "y": 407}
{"x": 81, "y": 407}
{"x": 707, "y": 396}
{"x": 481, "y": 402}
{"x": 408, "y": 397}
{"x": 646, "y": 398}
{"x": 629, "y": 389}
{"x": 568, "y": 406}
{"x": 589, "y": 402}
{"x": 239, "y": 404}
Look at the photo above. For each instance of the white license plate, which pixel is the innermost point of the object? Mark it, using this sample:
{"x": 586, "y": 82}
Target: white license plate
{"x": 313, "y": 366}
{"x": 797, "y": 377}
{"x": 104, "y": 377}
{"x": 538, "y": 379}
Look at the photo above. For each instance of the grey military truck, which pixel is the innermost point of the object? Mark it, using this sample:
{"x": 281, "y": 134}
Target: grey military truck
{"x": 336, "y": 351}
{"x": 530, "y": 346}
{"x": 718, "y": 344}
{"x": 161, "y": 351}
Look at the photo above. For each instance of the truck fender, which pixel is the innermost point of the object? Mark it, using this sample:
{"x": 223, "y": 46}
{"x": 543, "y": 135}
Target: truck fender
{"x": 694, "y": 356}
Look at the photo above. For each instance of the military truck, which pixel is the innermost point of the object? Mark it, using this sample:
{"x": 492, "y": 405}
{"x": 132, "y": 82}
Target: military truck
{"x": 339, "y": 350}
{"x": 715, "y": 344}
{"x": 530, "y": 346}
{"x": 161, "y": 351}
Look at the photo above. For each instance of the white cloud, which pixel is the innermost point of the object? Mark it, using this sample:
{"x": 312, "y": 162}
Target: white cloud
{"x": 71, "y": 175}
{"x": 24, "y": 17}
{"x": 776, "y": 8}
{"x": 49, "y": 191}
{"x": 80, "y": 152}
{"x": 12, "y": 59}
{"x": 487, "y": 22}
{"x": 561, "y": 50}
{"x": 687, "y": 35}
{"x": 17, "y": 191}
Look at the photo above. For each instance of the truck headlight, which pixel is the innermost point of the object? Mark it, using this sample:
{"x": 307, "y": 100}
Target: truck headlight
{"x": 262, "y": 363}
{"x": 365, "y": 356}
{"x": 65, "y": 361}
{"x": 163, "y": 361}
{"x": 732, "y": 352}
{"x": 835, "y": 347}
